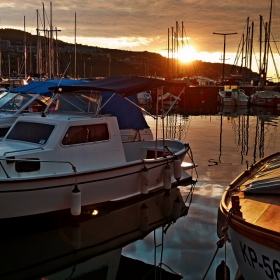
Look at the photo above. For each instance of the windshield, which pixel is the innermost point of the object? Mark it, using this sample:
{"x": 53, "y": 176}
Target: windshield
{"x": 32, "y": 132}
{"x": 83, "y": 102}
{"x": 14, "y": 102}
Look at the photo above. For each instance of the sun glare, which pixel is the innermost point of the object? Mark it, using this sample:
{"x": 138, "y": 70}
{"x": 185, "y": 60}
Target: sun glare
{"x": 187, "y": 54}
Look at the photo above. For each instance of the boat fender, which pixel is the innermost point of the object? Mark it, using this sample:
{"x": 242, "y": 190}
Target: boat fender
{"x": 144, "y": 218}
{"x": 222, "y": 271}
{"x": 177, "y": 168}
{"x": 236, "y": 205}
{"x": 144, "y": 180}
{"x": 76, "y": 201}
{"x": 176, "y": 213}
{"x": 167, "y": 207}
{"x": 167, "y": 177}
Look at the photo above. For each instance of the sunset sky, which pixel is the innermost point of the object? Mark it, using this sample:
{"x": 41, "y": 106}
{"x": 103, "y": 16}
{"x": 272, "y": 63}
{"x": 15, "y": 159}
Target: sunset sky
{"x": 143, "y": 25}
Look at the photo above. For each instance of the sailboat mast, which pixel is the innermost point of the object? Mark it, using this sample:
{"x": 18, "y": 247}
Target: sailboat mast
{"x": 168, "y": 58}
{"x": 251, "y": 46}
{"x": 38, "y": 52}
{"x": 0, "y": 58}
{"x": 268, "y": 37}
{"x": 260, "y": 67}
{"x": 50, "y": 44}
{"x": 75, "y": 52}
{"x": 25, "y": 76}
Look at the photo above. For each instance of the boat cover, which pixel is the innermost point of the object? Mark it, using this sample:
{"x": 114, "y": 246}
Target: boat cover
{"x": 124, "y": 86}
{"x": 42, "y": 87}
{"x": 127, "y": 114}
{"x": 267, "y": 180}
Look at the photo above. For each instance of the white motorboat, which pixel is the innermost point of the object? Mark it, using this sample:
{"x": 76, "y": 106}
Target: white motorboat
{"x": 249, "y": 219}
{"x": 233, "y": 96}
{"x": 270, "y": 98}
{"x": 88, "y": 244}
{"x": 55, "y": 162}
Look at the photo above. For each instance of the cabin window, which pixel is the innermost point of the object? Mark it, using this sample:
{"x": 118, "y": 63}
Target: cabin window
{"x": 86, "y": 133}
{"x": 28, "y": 166}
{"x": 38, "y": 133}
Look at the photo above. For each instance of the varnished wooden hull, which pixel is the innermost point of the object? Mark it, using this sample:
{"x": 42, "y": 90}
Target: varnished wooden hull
{"x": 255, "y": 235}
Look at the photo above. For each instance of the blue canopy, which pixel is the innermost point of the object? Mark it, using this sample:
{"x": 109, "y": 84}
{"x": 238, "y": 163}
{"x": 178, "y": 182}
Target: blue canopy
{"x": 42, "y": 87}
{"x": 127, "y": 114}
{"x": 125, "y": 86}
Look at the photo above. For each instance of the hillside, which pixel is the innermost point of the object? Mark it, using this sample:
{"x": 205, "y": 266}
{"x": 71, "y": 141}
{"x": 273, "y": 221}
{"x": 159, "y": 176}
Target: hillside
{"x": 95, "y": 61}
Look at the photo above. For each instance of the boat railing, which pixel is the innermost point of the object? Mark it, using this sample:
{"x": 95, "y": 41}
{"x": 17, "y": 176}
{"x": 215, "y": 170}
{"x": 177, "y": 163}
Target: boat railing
{"x": 24, "y": 150}
{"x": 10, "y": 160}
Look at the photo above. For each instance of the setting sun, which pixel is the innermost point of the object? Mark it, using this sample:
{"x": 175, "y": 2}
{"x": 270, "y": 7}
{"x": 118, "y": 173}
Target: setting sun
{"x": 187, "y": 54}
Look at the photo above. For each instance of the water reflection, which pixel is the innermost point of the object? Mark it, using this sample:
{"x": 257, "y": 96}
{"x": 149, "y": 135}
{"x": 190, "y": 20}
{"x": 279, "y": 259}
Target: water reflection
{"x": 117, "y": 245}
{"x": 90, "y": 244}
{"x": 224, "y": 140}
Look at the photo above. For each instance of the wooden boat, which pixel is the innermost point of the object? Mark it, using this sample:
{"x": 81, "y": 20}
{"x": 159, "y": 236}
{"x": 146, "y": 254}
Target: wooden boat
{"x": 54, "y": 162}
{"x": 233, "y": 96}
{"x": 249, "y": 210}
{"x": 269, "y": 98}
{"x": 90, "y": 243}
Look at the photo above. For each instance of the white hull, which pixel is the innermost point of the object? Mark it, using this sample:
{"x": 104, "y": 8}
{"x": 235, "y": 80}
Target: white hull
{"x": 27, "y": 196}
{"x": 249, "y": 209}
{"x": 255, "y": 260}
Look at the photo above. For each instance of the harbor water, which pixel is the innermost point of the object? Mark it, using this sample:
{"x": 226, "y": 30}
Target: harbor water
{"x": 223, "y": 142}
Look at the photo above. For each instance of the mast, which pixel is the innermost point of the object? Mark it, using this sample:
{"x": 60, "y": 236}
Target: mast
{"x": 260, "y": 66}
{"x": 177, "y": 47}
{"x": 265, "y": 53}
{"x": 50, "y": 45}
{"x": 45, "y": 32}
{"x": 0, "y": 58}
{"x": 268, "y": 37}
{"x": 38, "y": 43}
{"x": 24, "y": 50}
{"x": 172, "y": 49}
{"x": 168, "y": 70}
{"x": 251, "y": 46}
{"x": 75, "y": 52}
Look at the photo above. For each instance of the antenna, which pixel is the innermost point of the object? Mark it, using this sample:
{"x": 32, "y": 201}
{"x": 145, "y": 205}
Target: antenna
{"x": 64, "y": 73}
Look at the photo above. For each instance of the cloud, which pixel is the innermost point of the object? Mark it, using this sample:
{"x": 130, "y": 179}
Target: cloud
{"x": 143, "y": 25}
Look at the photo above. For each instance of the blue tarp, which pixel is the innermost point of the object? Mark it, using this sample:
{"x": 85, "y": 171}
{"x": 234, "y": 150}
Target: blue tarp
{"x": 42, "y": 87}
{"x": 128, "y": 115}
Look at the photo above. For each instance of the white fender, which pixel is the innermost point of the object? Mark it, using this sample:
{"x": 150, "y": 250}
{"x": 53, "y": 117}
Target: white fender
{"x": 76, "y": 201}
{"x": 144, "y": 180}
{"x": 177, "y": 168}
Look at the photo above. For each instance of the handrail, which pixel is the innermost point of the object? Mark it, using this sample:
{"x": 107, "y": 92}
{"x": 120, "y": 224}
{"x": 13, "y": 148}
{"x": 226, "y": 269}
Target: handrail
{"x": 32, "y": 160}
{"x": 40, "y": 148}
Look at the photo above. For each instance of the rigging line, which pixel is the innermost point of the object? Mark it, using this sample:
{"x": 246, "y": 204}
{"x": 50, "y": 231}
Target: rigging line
{"x": 192, "y": 61}
{"x": 272, "y": 56}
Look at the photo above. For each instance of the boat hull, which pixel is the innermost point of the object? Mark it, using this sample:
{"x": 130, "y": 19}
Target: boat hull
{"x": 255, "y": 260}
{"x": 252, "y": 218}
{"x": 23, "y": 196}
